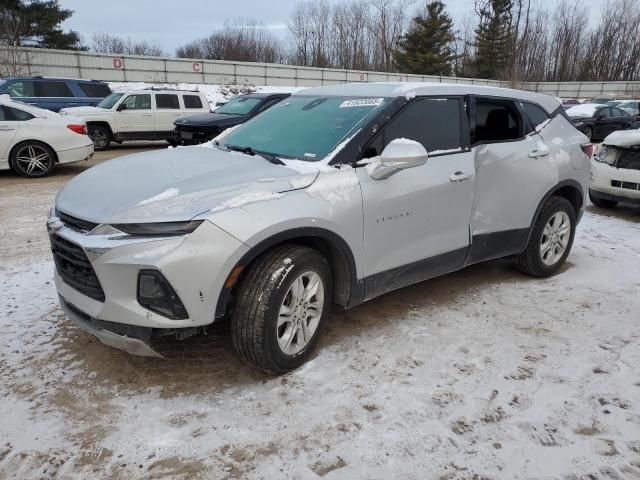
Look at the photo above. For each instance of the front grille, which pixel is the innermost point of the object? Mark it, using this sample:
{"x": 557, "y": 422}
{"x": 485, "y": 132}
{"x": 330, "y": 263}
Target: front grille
{"x": 76, "y": 223}
{"x": 74, "y": 268}
{"x": 627, "y": 185}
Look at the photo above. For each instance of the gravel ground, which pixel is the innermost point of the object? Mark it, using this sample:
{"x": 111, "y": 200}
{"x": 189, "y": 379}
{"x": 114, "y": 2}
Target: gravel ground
{"x": 484, "y": 373}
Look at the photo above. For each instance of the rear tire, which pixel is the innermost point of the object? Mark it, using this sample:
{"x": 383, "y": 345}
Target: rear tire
{"x": 551, "y": 239}
{"x": 602, "y": 202}
{"x": 32, "y": 159}
{"x": 101, "y": 137}
{"x": 280, "y": 308}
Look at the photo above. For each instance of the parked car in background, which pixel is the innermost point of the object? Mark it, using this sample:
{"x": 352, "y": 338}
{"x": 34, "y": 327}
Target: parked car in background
{"x": 138, "y": 115}
{"x": 34, "y": 140}
{"x": 615, "y": 170}
{"x": 630, "y": 106}
{"x": 569, "y": 102}
{"x": 204, "y": 127}
{"x": 338, "y": 194}
{"x": 605, "y": 100}
{"x": 54, "y": 93}
{"x": 597, "y": 121}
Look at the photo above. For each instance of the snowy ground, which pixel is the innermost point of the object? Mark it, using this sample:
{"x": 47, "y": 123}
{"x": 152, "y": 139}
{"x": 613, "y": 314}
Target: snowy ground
{"x": 480, "y": 374}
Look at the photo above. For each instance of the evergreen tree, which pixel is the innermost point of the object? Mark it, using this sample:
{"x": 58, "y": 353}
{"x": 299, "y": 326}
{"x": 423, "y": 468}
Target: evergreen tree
{"x": 494, "y": 38}
{"x": 427, "y": 47}
{"x": 38, "y": 24}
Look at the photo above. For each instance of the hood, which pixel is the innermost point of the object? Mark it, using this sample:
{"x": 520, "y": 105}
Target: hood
{"x": 82, "y": 110}
{"x": 175, "y": 185}
{"x": 211, "y": 120}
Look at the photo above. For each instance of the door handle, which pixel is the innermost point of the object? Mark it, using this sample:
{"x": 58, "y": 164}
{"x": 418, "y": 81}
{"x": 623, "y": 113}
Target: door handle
{"x": 459, "y": 176}
{"x": 5, "y": 128}
{"x": 146, "y": 114}
{"x": 543, "y": 152}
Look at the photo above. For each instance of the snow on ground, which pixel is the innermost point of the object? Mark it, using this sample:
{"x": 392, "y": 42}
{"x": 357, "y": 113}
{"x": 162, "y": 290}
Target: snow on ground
{"x": 214, "y": 93}
{"x": 484, "y": 373}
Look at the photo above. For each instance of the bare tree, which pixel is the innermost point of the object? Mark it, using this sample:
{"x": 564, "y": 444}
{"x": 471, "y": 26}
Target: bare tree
{"x": 108, "y": 43}
{"x": 242, "y": 40}
{"x": 12, "y": 59}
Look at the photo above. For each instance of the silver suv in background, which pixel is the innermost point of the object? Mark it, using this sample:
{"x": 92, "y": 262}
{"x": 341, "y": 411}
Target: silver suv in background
{"x": 335, "y": 195}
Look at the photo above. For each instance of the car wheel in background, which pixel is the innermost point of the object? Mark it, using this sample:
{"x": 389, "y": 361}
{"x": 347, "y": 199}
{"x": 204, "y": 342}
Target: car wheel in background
{"x": 602, "y": 202}
{"x": 280, "y": 307}
{"x": 32, "y": 159}
{"x": 551, "y": 239}
{"x": 588, "y": 131}
{"x": 101, "y": 137}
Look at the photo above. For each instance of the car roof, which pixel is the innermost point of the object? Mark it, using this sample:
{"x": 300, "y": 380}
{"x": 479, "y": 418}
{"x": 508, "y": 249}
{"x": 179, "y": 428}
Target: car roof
{"x": 37, "y": 77}
{"x": 412, "y": 89}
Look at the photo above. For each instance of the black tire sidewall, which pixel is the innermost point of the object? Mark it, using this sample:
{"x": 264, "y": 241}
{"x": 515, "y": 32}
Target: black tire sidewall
{"x": 588, "y": 129}
{"x": 557, "y": 204}
{"x": 310, "y": 261}
{"x": 20, "y": 171}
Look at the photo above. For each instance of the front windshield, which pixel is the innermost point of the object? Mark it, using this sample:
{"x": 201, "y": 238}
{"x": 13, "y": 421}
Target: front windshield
{"x": 110, "y": 101}
{"x": 239, "y": 106}
{"x": 305, "y": 127}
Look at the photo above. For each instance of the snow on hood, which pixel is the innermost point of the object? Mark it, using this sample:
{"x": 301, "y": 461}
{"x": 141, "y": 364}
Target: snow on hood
{"x": 82, "y": 110}
{"x": 623, "y": 138}
{"x": 584, "y": 110}
{"x": 174, "y": 185}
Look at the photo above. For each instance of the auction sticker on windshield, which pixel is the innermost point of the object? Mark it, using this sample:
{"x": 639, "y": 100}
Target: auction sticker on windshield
{"x": 362, "y": 102}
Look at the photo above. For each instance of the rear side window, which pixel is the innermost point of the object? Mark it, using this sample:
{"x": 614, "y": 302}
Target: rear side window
{"x": 21, "y": 89}
{"x": 496, "y": 120}
{"x": 435, "y": 123}
{"x": 164, "y": 100}
{"x": 14, "y": 114}
{"x": 53, "y": 89}
{"x": 95, "y": 90}
{"x": 192, "y": 101}
{"x": 537, "y": 115}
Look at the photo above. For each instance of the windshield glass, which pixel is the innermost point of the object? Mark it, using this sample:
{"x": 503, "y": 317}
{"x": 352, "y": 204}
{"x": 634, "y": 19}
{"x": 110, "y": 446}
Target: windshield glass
{"x": 239, "y": 106}
{"x": 305, "y": 127}
{"x": 110, "y": 101}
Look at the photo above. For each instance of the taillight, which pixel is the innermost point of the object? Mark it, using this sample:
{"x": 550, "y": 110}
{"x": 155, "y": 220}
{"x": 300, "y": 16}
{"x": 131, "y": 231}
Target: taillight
{"x": 77, "y": 128}
{"x": 587, "y": 148}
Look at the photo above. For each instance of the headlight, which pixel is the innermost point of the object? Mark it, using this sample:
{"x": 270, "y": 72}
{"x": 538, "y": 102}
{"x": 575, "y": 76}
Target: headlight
{"x": 578, "y": 124}
{"x": 607, "y": 155}
{"x": 161, "y": 229}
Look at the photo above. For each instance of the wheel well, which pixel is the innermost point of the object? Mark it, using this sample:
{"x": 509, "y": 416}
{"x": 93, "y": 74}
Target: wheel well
{"x": 101, "y": 124}
{"x": 572, "y": 194}
{"x": 334, "y": 250}
{"x": 55, "y": 154}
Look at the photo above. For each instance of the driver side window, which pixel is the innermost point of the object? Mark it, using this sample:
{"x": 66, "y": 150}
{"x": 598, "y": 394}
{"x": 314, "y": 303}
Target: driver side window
{"x": 604, "y": 112}
{"x": 138, "y": 102}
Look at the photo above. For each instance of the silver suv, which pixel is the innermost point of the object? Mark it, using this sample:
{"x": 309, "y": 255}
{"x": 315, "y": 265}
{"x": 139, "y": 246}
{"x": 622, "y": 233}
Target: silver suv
{"x": 336, "y": 195}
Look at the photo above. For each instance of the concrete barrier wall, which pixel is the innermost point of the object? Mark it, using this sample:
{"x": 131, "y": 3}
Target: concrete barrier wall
{"x": 131, "y": 68}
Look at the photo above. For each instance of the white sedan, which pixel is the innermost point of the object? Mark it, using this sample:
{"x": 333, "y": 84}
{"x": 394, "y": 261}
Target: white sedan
{"x": 33, "y": 140}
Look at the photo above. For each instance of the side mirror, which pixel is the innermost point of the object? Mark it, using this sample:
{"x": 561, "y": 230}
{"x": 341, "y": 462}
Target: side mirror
{"x": 399, "y": 155}
{"x": 121, "y": 107}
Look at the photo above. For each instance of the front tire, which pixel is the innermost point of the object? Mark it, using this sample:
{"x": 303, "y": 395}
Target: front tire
{"x": 551, "y": 239}
{"x": 101, "y": 137}
{"x": 602, "y": 202}
{"x": 281, "y": 305}
{"x": 588, "y": 131}
{"x": 32, "y": 159}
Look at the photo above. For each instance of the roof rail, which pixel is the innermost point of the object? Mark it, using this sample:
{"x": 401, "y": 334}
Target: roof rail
{"x": 154, "y": 88}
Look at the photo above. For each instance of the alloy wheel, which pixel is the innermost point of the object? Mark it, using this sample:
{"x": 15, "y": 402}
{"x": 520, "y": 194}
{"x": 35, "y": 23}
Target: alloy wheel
{"x": 300, "y": 313}
{"x": 34, "y": 160}
{"x": 555, "y": 238}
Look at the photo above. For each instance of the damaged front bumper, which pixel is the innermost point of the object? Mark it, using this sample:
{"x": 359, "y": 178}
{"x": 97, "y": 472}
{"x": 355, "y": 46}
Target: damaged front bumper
{"x": 130, "y": 339}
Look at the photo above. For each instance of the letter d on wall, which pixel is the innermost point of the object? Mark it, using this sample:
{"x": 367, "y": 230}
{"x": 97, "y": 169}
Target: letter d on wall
{"x": 118, "y": 63}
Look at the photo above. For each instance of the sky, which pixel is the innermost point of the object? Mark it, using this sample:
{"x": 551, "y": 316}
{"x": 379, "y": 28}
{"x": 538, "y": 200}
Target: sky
{"x": 171, "y": 24}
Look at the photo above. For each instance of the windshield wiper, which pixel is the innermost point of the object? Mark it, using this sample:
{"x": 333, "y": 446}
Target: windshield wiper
{"x": 270, "y": 157}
